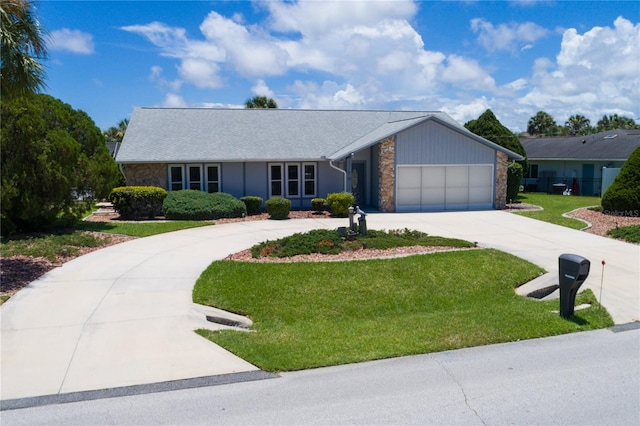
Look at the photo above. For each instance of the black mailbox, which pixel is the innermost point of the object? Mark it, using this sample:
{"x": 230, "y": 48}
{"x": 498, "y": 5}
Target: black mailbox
{"x": 573, "y": 270}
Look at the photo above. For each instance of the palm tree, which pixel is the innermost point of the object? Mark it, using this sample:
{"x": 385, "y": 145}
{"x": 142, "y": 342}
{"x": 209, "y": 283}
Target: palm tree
{"x": 260, "y": 102}
{"x": 116, "y": 134}
{"x": 578, "y": 125}
{"x": 616, "y": 122}
{"x": 541, "y": 124}
{"x": 23, "y": 47}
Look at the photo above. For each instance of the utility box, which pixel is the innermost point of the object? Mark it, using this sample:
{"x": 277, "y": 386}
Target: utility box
{"x": 573, "y": 270}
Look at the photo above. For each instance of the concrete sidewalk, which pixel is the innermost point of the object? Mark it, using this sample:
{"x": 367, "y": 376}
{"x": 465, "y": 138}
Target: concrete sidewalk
{"x": 124, "y": 315}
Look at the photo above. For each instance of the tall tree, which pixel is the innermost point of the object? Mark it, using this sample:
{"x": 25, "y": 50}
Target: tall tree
{"x": 116, "y": 134}
{"x": 49, "y": 154}
{"x": 610, "y": 122}
{"x": 22, "y": 50}
{"x": 260, "y": 102}
{"x": 578, "y": 125}
{"x": 542, "y": 124}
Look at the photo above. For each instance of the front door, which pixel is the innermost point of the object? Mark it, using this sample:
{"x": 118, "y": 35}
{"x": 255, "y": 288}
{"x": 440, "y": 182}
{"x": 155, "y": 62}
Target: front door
{"x": 357, "y": 183}
{"x": 587, "y": 179}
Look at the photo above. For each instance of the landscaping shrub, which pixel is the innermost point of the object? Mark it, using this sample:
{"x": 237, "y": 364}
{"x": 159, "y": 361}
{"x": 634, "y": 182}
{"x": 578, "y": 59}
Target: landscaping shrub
{"x": 318, "y": 204}
{"x": 138, "y": 202}
{"x": 278, "y": 208}
{"x": 623, "y": 195}
{"x": 254, "y": 204}
{"x": 339, "y": 203}
{"x": 324, "y": 241}
{"x": 514, "y": 177}
{"x": 191, "y": 204}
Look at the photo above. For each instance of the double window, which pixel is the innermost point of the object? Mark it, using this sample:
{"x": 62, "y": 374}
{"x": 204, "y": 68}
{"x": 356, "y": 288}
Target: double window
{"x": 292, "y": 180}
{"x": 194, "y": 176}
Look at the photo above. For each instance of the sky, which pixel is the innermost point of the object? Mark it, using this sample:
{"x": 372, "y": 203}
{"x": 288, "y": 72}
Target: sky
{"x": 461, "y": 57}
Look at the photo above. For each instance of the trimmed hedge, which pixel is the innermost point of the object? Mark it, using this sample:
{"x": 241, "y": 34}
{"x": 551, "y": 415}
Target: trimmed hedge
{"x": 339, "y": 203}
{"x": 138, "y": 202}
{"x": 278, "y": 208}
{"x": 318, "y": 204}
{"x": 192, "y": 204}
{"x": 254, "y": 204}
{"x": 623, "y": 195}
{"x": 514, "y": 177}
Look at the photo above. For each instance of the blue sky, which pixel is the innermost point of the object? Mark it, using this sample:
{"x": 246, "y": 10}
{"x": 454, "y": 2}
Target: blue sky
{"x": 461, "y": 57}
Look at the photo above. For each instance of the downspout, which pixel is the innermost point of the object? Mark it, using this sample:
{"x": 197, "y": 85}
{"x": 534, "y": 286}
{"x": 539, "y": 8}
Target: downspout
{"x": 340, "y": 170}
{"x": 122, "y": 172}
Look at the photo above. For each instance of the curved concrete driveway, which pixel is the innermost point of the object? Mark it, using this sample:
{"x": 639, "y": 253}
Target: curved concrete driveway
{"x": 123, "y": 315}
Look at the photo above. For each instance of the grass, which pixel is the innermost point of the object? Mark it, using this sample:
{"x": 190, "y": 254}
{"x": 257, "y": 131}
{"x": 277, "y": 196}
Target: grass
{"x": 629, "y": 233}
{"x": 66, "y": 242}
{"x": 555, "y": 206}
{"x": 327, "y": 313}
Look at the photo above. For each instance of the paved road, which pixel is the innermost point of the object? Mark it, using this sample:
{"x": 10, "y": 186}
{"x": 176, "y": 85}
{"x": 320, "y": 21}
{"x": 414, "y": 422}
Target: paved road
{"x": 581, "y": 379}
{"x": 123, "y": 316}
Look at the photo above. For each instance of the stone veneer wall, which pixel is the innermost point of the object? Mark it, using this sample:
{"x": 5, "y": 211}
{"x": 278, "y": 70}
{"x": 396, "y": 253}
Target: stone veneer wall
{"x": 501, "y": 180}
{"x": 146, "y": 174}
{"x": 387, "y": 174}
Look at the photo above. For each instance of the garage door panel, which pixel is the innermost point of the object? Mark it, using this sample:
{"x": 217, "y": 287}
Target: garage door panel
{"x": 433, "y": 177}
{"x": 409, "y": 177}
{"x": 444, "y": 187}
{"x": 433, "y": 196}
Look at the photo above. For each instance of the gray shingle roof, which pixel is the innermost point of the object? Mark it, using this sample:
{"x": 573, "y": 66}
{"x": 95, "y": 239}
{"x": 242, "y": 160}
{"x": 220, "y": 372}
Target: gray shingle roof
{"x": 198, "y": 135}
{"x": 610, "y": 145}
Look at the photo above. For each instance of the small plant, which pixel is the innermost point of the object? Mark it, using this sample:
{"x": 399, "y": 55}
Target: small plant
{"x": 278, "y": 208}
{"x": 191, "y": 204}
{"x": 138, "y": 202}
{"x": 514, "y": 177}
{"x": 318, "y": 204}
{"x": 254, "y": 204}
{"x": 339, "y": 203}
{"x": 629, "y": 233}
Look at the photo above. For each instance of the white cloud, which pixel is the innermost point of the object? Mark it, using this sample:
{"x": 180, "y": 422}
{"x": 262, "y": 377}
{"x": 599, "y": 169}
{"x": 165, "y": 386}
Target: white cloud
{"x": 594, "y": 72}
{"x": 261, "y": 89}
{"x": 201, "y": 73}
{"x": 467, "y": 73}
{"x": 510, "y": 37}
{"x": 173, "y": 100}
{"x": 74, "y": 41}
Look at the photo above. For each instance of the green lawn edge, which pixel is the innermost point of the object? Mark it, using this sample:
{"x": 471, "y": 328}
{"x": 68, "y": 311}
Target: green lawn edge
{"x": 554, "y": 207}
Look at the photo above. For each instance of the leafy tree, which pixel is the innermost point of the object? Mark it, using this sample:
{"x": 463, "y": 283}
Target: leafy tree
{"x": 623, "y": 195}
{"x": 260, "y": 102}
{"x": 611, "y": 122}
{"x": 542, "y": 124}
{"x": 578, "y": 125}
{"x": 49, "y": 153}
{"x": 23, "y": 47}
{"x": 489, "y": 127}
{"x": 116, "y": 134}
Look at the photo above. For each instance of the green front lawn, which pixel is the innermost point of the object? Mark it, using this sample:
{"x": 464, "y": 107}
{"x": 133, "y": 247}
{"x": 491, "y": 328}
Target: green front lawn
{"x": 141, "y": 229}
{"x": 327, "y": 313}
{"x": 554, "y": 206}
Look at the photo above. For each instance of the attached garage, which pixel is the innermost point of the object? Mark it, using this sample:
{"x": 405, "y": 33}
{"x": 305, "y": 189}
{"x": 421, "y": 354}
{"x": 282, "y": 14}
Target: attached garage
{"x": 445, "y": 187}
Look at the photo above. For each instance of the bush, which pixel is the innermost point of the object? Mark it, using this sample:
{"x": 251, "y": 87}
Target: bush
{"x": 278, "y": 208}
{"x": 623, "y": 196}
{"x": 191, "y": 204}
{"x": 138, "y": 202}
{"x": 514, "y": 177}
{"x": 254, "y": 204}
{"x": 339, "y": 203}
{"x": 323, "y": 241}
{"x": 318, "y": 204}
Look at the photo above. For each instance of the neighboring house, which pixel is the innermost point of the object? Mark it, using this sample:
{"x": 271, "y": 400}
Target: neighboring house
{"x": 392, "y": 161}
{"x": 113, "y": 148}
{"x": 577, "y": 162}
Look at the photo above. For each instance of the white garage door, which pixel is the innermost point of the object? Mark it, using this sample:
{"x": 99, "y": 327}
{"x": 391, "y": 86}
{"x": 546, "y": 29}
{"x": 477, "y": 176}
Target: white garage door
{"x": 446, "y": 187}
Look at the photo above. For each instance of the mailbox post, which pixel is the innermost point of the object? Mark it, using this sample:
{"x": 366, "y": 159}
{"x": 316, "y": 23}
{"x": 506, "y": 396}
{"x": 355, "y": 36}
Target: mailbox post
{"x": 573, "y": 270}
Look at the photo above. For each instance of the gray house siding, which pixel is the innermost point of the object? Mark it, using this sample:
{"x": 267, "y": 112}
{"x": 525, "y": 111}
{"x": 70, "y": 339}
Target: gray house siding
{"x": 433, "y": 143}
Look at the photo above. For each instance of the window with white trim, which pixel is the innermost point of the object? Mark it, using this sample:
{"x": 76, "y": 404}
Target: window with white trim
{"x": 276, "y": 180}
{"x": 309, "y": 179}
{"x": 213, "y": 177}
{"x": 176, "y": 178}
{"x": 293, "y": 180}
{"x": 194, "y": 173}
